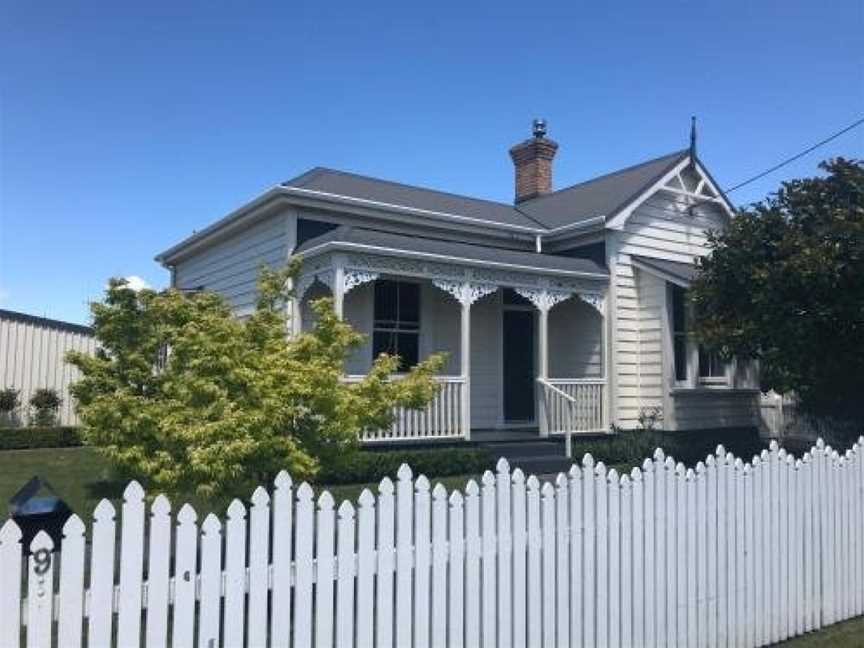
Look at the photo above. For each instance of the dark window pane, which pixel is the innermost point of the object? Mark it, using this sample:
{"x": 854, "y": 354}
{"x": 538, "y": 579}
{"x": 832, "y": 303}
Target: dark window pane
{"x": 386, "y": 301}
{"x": 409, "y": 302}
{"x": 680, "y": 357}
{"x": 710, "y": 364}
{"x": 679, "y": 317}
{"x": 309, "y": 229}
{"x": 383, "y": 342}
{"x": 408, "y": 349}
{"x": 512, "y": 298}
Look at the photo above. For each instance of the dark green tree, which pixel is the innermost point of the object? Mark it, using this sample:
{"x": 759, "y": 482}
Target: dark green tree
{"x": 784, "y": 285}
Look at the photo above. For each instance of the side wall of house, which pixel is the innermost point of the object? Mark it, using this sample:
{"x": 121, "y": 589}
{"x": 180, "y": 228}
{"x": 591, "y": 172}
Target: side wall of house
{"x": 230, "y": 266}
{"x": 32, "y": 356}
{"x": 663, "y": 228}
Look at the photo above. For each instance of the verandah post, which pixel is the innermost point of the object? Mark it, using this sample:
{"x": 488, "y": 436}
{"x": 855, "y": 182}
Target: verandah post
{"x": 465, "y": 369}
{"x": 542, "y": 365}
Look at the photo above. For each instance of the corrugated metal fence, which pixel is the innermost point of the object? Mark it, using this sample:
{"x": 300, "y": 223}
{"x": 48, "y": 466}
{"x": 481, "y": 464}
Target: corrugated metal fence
{"x": 31, "y": 356}
{"x": 728, "y": 554}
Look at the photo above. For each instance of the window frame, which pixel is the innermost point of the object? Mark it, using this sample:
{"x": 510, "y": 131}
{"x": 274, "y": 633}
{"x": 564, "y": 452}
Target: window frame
{"x": 397, "y": 327}
{"x": 692, "y": 350}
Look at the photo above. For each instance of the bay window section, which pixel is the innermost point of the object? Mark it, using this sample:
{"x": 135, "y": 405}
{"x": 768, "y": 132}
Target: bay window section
{"x": 396, "y": 329}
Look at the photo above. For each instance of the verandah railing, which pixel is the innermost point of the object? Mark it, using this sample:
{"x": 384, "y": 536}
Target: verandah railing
{"x": 572, "y": 406}
{"x": 731, "y": 553}
{"x": 440, "y": 419}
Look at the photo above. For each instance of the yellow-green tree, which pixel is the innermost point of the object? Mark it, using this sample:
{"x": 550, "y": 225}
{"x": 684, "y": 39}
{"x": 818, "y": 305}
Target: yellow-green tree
{"x": 189, "y": 399}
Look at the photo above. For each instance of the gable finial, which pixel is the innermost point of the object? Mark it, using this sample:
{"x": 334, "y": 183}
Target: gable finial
{"x": 693, "y": 139}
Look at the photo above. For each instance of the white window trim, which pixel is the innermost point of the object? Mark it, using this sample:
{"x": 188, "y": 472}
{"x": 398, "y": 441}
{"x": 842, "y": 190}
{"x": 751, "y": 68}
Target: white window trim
{"x": 694, "y": 381}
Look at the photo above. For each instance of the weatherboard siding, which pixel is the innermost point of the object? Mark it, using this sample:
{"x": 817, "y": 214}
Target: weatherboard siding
{"x": 230, "y": 267}
{"x": 575, "y": 340}
{"x": 32, "y": 356}
{"x": 662, "y": 228}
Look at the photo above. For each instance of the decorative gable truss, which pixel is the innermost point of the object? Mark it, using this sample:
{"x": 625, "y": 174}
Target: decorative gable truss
{"x": 690, "y": 182}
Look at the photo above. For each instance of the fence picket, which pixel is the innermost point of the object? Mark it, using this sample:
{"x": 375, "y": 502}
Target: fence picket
{"x": 345, "y": 532}
{"x": 40, "y": 591}
{"x": 505, "y": 547}
{"x": 614, "y": 558}
{"x": 211, "y": 582}
{"x": 547, "y": 558}
{"x": 283, "y": 509}
{"x": 422, "y": 560}
{"x": 404, "y": 555}
{"x": 488, "y": 604}
{"x": 602, "y": 538}
{"x": 234, "y": 614}
{"x": 731, "y": 554}
{"x": 157, "y": 573}
{"x": 650, "y": 516}
{"x": 131, "y": 565}
{"x": 10, "y": 584}
{"x": 100, "y": 613}
{"x": 638, "y": 542}
{"x": 365, "y": 568}
{"x": 324, "y": 571}
{"x": 455, "y": 631}
{"x": 472, "y": 564}
{"x": 576, "y": 555}
{"x": 71, "y": 603}
{"x": 303, "y": 572}
{"x": 519, "y": 551}
{"x": 589, "y": 559}
{"x": 626, "y": 597}
{"x": 439, "y": 567}
{"x": 384, "y": 591}
{"x": 562, "y": 561}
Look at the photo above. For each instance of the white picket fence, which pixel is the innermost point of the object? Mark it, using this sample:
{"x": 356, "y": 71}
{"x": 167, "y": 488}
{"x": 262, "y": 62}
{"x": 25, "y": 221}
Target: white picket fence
{"x": 728, "y": 554}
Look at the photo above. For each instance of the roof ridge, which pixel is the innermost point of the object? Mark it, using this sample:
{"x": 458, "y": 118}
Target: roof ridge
{"x": 679, "y": 153}
{"x": 320, "y": 169}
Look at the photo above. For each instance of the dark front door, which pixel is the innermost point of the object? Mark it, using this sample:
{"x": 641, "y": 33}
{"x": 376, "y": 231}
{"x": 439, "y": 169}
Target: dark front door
{"x": 518, "y": 366}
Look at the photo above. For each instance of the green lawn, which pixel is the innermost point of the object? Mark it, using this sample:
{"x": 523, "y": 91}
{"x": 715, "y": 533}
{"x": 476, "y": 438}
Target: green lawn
{"x": 79, "y": 475}
{"x": 81, "y": 478}
{"x": 849, "y": 634}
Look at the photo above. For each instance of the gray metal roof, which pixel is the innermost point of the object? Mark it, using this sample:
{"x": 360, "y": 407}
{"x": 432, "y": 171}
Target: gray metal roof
{"x": 347, "y": 236}
{"x": 342, "y": 183}
{"x": 36, "y": 320}
{"x": 602, "y": 196}
{"x": 684, "y": 272}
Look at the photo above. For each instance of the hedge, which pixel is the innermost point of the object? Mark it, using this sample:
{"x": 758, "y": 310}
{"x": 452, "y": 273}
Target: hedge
{"x": 366, "y": 466}
{"x": 28, "y": 438}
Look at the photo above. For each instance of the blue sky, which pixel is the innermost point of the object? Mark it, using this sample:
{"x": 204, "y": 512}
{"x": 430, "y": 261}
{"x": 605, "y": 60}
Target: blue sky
{"x": 125, "y": 126}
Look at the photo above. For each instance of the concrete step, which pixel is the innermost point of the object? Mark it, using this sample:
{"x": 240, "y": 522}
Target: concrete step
{"x": 541, "y": 465}
{"x": 525, "y": 449}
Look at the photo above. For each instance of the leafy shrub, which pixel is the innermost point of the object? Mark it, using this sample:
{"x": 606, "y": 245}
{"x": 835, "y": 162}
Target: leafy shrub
{"x": 45, "y": 403}
{"x": 371, "y": 466}
{"x": 28, "y": 438}
{"x": 234, "y": 401}
{"x": 634, "y": 446}
{"x": 9, "y": 402}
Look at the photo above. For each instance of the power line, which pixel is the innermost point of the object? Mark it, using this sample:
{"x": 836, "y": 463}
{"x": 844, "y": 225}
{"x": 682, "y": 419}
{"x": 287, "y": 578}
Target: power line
{"x": 795, "y": 157}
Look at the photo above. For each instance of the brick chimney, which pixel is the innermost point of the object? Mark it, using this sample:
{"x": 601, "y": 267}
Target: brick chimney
{"x": 533, "y": 161}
